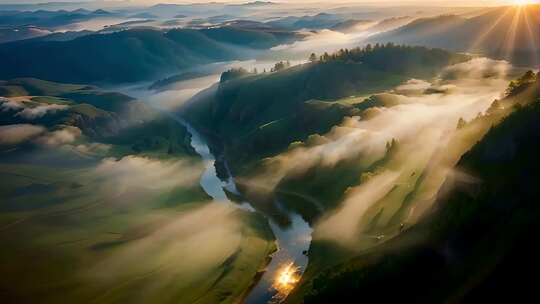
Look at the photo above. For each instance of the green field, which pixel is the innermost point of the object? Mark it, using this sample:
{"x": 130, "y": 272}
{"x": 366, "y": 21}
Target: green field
{"x": 103, "y": 205}
{"x": 67, "y": 237}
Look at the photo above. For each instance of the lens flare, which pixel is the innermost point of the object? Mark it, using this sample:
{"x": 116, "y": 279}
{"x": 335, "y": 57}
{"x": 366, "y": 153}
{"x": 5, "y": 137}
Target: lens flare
{"x": 286, "y": 279}
{"x": 516, "y": 27}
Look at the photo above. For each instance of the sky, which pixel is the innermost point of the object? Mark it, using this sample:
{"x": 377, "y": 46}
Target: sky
{"x": 419, "y": 2}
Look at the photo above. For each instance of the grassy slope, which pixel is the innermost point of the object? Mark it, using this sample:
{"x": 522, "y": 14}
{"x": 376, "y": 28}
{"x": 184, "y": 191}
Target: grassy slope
{"x": 474, "y": 247}
{"x": 59, "y": 221}
{"x": 58, "y": 232}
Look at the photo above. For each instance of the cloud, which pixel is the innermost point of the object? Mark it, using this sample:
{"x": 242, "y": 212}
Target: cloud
{"x": 173, "y": 96}
{"x": 429, "y": 143}
{"x": 424, "y": 124}
{"x": 92, "y": 148}
{"x": 141, "y": 172}
{"x": 28, "y": 112}
{"x": 185, "y": 247}
{"x": 343, "y": 225}
{"x": 365, "y": 138}
{"x": 10, "y": 105}
{"x": 16, "y": 134}
{"x": 321, "y": 41}
{"x": 40, "y": 111}
{"x": 60, "y": 137}
{"x": 412, "y": 87}
{"x": 478, "y": 69}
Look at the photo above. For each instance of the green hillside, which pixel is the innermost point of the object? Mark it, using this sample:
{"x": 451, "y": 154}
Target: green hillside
{"x": 260, "y": 115}
{"x": 102, "y": 202}
{"x": 106, "y": 117}
{"x": 476, "y": 245}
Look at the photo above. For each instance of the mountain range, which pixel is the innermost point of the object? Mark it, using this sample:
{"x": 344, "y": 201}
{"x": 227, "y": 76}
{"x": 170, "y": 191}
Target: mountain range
{"x": 511, "y": 33}
{"x": 111, "y": 57}
{"x": 50, "y": 19}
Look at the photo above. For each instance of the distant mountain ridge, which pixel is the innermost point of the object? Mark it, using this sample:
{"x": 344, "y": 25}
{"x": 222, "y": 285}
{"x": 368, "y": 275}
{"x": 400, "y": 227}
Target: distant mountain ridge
{"x": 257, "y": 3}
{"x": 511, "y": 33}
{"x": 131, "y": 55}
{"x": 21, "y": 25}
{"x": 49, "y": 19}
{"x": 319, "y": 21}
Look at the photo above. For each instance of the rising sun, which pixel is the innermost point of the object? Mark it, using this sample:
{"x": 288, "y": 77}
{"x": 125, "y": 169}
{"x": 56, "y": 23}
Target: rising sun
{"x": 522, "y": 2}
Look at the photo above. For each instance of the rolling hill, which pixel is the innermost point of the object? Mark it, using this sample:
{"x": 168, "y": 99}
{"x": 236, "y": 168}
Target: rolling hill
{"x": 474, "y": 245}
{"x": 131, "y": 55}
{"x": 291, "y": 104}
{"x": 89, "y": 174}
{"x": 355, "y": 26}
{"x": 319, "y": 21}
{"x": 49, "y": 19}
{"x": 99, "y": 116}
{"x": 11, "y": 34}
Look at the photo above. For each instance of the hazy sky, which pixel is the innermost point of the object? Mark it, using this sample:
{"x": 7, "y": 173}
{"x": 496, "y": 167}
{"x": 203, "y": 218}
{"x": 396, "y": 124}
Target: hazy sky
{"x": 420, "y": 2}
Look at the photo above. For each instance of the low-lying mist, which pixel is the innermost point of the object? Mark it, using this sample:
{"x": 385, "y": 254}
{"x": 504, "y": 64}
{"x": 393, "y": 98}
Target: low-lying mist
{"x": 416, "y": 132}
{"x": 322, "y": 41}
{"x": 172, "y": 96}
{"x": 331, "y": 40}
{"x": 181, "y": 249}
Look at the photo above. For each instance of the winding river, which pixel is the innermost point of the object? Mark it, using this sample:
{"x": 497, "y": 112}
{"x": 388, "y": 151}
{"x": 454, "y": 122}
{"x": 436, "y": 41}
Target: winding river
{"x": 292, "y": 241}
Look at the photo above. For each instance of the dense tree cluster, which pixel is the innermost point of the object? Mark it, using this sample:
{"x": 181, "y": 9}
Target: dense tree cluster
{"x": 521, "y": 84}
{"x": 390, "y": 56}
{"x": 233, "y": 74}
{"x": 282, "y": 65}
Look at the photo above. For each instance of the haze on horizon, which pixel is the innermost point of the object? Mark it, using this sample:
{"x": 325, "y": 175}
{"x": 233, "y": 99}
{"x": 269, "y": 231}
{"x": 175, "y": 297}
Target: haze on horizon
{"x": 318, "y": 2}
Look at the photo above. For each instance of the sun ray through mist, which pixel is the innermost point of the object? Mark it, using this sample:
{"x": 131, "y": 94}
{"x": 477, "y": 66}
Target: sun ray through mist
{"x": 476, "y": 44}
{"x": 509, "y": 42}
{"x": 531, "y": 36}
